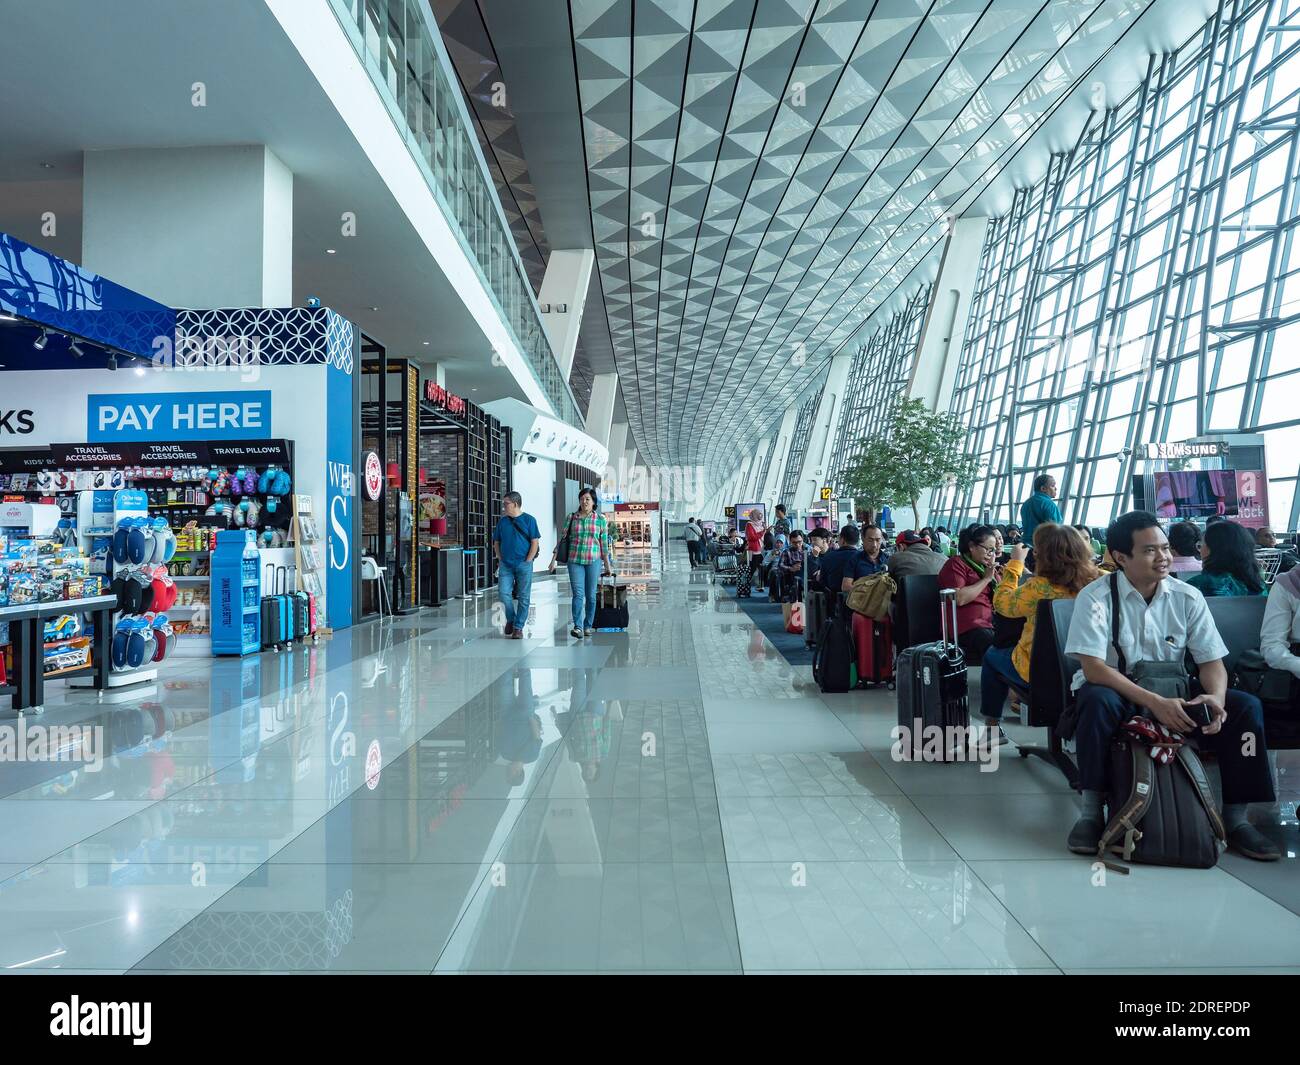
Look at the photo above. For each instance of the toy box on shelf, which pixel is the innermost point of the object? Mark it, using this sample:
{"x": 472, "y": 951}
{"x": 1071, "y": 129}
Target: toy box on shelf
{"x": 236, "y": 594}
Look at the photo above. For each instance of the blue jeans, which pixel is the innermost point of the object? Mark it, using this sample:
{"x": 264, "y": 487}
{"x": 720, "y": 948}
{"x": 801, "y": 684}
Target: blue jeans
{"x": 998, "y": 675}
{"x": 515, "y": 585}
{"x": 584, "y": 576}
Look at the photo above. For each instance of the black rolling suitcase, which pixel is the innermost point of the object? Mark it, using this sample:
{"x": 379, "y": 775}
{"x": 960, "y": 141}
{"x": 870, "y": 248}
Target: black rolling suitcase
{"x": 833, "y": 657}
{"x": 932, "y": 692}
{"x": 611, "y": 605}
{"x": 300, "y": 609}
{"x": 814, "y": 615}
{"x": 277, "y": 613}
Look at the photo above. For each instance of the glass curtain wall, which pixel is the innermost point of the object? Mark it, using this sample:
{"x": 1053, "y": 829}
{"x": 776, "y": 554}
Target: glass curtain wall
{"x": 1148, "y": 288}
{"x": 882, "y": 368}
{"x": 798, "y": 447}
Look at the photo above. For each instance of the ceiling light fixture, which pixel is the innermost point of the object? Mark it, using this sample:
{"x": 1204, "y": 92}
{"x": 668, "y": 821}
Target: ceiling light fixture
{"x": 40, "y": 342}
{"x": 139, "y": 371}
{"x": 75, "y": 348}
{"x": 329, "y": 251}
{"x": 112, "y": 360}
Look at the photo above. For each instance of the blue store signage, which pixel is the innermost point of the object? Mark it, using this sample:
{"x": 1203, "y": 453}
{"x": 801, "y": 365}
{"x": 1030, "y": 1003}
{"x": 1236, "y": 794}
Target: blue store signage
{"x": 134, "y": 416}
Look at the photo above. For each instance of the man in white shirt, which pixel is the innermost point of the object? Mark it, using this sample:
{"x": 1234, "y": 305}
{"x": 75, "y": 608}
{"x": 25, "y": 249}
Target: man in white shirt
{"x": 1161, "y": 620}
{"x": 692, "y": 534}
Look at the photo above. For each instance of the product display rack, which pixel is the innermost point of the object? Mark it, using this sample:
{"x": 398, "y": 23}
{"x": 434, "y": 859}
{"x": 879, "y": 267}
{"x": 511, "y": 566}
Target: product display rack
{"x": 236, "y": 594}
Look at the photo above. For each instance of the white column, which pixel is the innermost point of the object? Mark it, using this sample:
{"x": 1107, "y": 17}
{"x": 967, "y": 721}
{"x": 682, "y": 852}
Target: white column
{"x": 600, "y": 411}
{"x": 752, "y": 488}
{"x": 615, "y": 472}
{"x": 784, "y": 437}
{"x": 939, "y": 352}
{"x": 568, "y": 273}
{"x": 192, "y": 227}
{"x": 821, "y": 433}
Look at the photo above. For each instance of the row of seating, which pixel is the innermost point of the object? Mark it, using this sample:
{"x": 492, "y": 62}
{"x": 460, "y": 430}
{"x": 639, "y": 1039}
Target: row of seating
{"x": 1051, "y": 670}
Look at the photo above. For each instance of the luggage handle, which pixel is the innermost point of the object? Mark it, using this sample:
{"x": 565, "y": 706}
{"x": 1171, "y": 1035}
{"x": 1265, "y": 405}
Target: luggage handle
{"x": 948, "y": 617}
{"x": 282, "y": 580}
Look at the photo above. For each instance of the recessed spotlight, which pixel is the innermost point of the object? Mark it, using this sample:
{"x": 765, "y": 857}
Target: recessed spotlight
{"x": 139, "y": 371}
{"x": 374, "y": 308}
{"x": 426, "y": 343}
{"x": 47, "y": 166}
{"x": 329, "y": 251}
{"x": 40, "y": 342}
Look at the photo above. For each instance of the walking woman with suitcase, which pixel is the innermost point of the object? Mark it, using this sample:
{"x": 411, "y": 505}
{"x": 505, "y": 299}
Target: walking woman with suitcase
{"x": 584, "y": 548}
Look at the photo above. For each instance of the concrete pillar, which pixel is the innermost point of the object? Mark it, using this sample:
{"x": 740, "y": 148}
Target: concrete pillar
{"x": 752, "y": 488}
{"x": 600, "y": 412}
{"x": 935, "y": 370}
{"x": 821, "y": 434}
{"x": 568, "y": 273}
{"x": 192, "y": 227}
{"x": 775, "y": 475}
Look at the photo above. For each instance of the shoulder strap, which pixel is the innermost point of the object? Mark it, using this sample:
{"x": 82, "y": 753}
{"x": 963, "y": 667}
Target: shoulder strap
{"x": 1196, "y": 773}
{"x": 520, "y": 529}
{"x": 1121, "y": 663}
{"x": 1126, "y": 819}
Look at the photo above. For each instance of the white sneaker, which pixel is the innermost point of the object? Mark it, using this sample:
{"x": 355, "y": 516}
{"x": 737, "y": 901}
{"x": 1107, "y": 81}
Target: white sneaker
{"x": 589, "y": 632}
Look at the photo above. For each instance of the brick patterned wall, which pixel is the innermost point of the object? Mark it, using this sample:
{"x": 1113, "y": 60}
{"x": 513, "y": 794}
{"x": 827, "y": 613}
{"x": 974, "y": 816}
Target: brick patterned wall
{"x": 442, "y": 457}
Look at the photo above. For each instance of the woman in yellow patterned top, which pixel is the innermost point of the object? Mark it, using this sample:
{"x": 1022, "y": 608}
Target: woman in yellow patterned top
{"x": 1064, "y": 566}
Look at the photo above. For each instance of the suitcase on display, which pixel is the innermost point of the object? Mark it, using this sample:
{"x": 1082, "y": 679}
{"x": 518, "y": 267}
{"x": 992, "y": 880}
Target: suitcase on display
{"x": 932, "y": 692}
{"x": 874, "y": 645}
{"x": 277, "y": 612}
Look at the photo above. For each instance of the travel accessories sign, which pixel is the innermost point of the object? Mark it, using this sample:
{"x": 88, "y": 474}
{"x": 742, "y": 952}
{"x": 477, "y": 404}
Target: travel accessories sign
{"x": 137, "y": 416}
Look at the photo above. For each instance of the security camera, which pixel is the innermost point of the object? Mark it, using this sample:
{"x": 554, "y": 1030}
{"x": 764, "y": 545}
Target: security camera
{"x": 313, "y": 302}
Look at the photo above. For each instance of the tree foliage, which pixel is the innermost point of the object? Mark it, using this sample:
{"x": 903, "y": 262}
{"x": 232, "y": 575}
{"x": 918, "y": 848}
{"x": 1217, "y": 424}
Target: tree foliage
{"x": 919, "y": 450}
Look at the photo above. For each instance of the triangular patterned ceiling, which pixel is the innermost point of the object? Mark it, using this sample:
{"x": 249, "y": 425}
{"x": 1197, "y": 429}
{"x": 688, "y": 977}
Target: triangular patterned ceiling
{"x": 763, "y": 174}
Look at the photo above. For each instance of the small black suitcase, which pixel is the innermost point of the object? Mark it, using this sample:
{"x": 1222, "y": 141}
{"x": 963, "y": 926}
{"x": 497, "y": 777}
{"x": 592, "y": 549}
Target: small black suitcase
{"x": 932, "y": 692}
{"x": 300, "y": 608}
{"x": 611, "y": 606}
{"x": 833, "y": 657}
{"x": 814, "y": 615}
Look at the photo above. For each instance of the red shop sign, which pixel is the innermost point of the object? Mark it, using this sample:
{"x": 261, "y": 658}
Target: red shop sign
{"x": 440, "y": 397}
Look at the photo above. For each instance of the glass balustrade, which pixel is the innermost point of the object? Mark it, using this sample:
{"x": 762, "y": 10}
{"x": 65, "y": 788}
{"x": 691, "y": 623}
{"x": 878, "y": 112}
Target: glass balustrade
{"x": 397, "y": 44}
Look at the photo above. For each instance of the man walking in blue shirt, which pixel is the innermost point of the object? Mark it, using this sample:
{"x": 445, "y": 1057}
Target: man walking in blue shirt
{"x": 515, "y": 541}
{"x": 1040, "y": 508}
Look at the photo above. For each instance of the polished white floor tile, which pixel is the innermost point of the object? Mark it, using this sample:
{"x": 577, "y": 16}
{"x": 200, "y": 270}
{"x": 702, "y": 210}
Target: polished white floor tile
{"x": 1154, "y": 917}
{"x": 828, "y": 828}
{"x": 813, "y": 736}
{"x": 808, "y": 774}
{"x": 1002, "y": 825}
{"x": 894, "y": 916}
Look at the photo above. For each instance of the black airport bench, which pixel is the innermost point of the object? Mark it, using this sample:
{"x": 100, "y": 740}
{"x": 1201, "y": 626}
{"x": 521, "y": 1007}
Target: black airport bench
{"x": 1051, "y": 671}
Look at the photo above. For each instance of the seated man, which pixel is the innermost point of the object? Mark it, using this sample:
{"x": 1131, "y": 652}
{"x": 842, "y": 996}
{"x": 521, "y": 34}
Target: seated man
{"x": 1266, "y": 538}
{"x": 838, "y": 565}
{"x": 789, "y": 566}
{"x": 819, "y": 542}
{"x": 1161, "y": 620}
{"x": 914, "y": 556}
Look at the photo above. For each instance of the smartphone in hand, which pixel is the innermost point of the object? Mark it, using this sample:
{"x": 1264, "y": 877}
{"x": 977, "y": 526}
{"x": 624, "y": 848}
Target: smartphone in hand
{"x": 1198, "y": 712}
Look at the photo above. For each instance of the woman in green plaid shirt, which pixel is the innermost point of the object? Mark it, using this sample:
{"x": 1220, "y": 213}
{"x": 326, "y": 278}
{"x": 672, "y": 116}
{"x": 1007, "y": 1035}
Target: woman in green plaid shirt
{"x": 588, "y": 559}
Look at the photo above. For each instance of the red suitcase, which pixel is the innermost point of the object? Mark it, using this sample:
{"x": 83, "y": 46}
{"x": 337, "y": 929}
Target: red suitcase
{"x": 874, "y": 641}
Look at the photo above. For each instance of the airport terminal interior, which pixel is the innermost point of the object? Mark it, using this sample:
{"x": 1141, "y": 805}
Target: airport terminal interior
{"x": 650, "y": 487}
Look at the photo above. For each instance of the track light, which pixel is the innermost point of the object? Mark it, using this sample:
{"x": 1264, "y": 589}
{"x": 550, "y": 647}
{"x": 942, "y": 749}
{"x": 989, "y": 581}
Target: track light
{"x": 40, "y": 342}
{"x": 75, "y": 348}
{"x": 112, "y": 361}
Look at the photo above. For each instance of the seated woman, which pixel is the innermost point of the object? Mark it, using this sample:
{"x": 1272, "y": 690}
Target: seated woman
{"x": 1185, "y": 543}
{"x": 1280, "y": 632}
{"x": 1228, "y": 563}
{"x": 973, "y": 572}
{"x": 1065, "y": 566}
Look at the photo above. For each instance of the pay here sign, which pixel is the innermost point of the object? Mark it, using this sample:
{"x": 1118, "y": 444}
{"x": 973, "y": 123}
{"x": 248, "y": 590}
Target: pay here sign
{"x": 134, "y": 416}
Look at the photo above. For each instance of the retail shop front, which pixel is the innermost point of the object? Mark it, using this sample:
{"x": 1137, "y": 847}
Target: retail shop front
{"x": 123, "y": 414}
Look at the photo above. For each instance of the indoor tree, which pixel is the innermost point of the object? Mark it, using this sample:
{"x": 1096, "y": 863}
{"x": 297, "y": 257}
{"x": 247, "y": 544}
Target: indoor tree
{"x": 919, "y": 450}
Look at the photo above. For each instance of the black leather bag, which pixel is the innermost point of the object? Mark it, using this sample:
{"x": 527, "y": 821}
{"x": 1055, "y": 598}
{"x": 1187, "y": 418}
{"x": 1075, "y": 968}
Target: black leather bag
{"x": 1007, "y": 631}
{"x": 563, "y": 547}
{"x": 1275, "y": 688}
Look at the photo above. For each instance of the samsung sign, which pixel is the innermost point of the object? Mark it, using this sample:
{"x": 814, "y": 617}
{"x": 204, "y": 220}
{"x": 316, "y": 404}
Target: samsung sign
{"x": 135, "y": 416}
